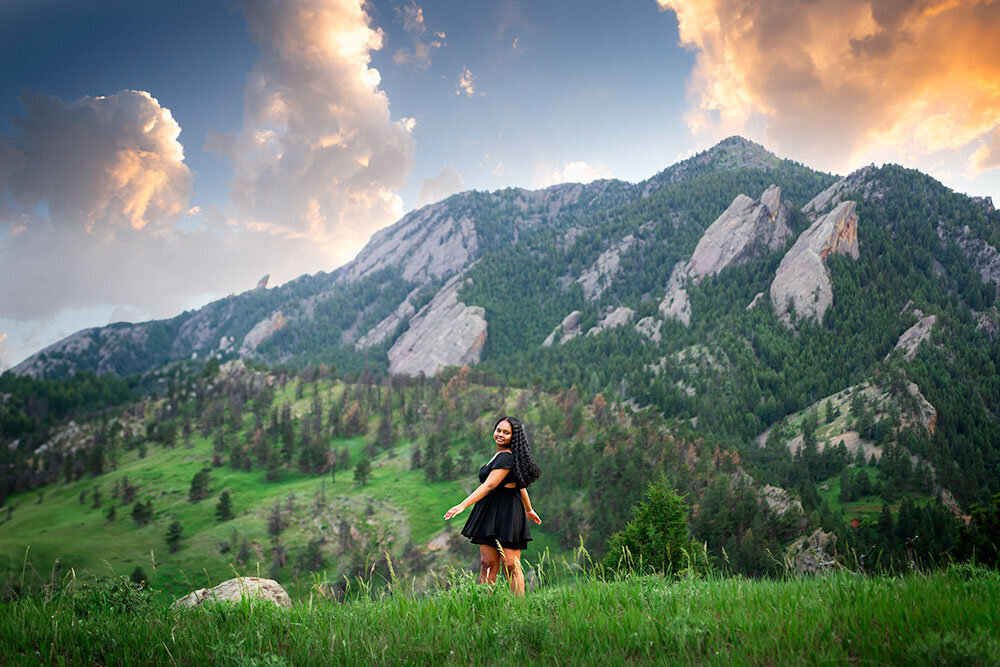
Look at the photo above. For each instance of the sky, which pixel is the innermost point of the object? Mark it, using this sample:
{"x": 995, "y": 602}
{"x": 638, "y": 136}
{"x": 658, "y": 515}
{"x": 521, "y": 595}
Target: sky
{"x": 157, "y": 155}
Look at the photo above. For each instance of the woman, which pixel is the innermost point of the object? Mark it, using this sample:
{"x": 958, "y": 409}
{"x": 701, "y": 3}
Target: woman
{"x": 498, "y": 521}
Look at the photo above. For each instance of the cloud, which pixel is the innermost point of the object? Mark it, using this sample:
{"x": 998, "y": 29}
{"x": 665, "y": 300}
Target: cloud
{"x": 100, "y": 164}
{"x": 834, "y": 81}
{"x": 466, "y": 84}
{"x": 95, "y": 207}
{"x": 987, "y": 156}
{"x": 445, "y": 184}
{"x": 570, "y": 172}
{"x": 319, "y": 158}
{"x": 419, "y": 54}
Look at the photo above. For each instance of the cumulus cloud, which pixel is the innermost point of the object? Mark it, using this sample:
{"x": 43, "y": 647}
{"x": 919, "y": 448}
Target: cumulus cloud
{"x": 419, "y": 54}
{"x": 445, "y": 184}
{"x": 319, "y": 158}
{"x": 987, "y": 156}
{"x": 466, "y": 84}
{"x": 570, "y": 172}
{"x": 833, "y": 81}
{"x": 95, "y": 207}
{"x": 100, "y": 164}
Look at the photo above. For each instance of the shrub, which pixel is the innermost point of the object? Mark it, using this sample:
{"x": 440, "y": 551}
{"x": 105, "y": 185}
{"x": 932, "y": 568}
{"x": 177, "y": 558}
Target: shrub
{"x": 657, "y": 537}
{"x": 120, "y": 595}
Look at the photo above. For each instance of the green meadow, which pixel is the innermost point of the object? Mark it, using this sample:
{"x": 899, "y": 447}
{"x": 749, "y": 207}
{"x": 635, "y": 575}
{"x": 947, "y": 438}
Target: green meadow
{"x": 946, "y": 617}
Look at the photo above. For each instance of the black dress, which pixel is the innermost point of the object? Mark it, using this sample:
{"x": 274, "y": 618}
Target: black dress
{"x": 499, "y": 516}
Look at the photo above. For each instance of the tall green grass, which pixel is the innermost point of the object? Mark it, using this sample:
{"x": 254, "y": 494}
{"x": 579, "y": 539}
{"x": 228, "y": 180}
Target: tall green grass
{"x": 947, "y": 617}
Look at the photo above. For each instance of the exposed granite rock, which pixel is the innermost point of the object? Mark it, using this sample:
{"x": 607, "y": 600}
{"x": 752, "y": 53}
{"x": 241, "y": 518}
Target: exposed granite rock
{"x": 802, "y": 279}
{"x": 984, "y": 257}
{"x": 235, "y": 590}
{"x": 755, "y": 301}
{"x": 989, "y": 324}
{"x": 649, "y": 327}
{"x": 262, "y": 283}
{"x": 261, "y": 332}
{"x": 778, "y": 500}
{"x": 616, "y": 318}
{"x": 921, "y": 408}
{"x": 746, "y": 230}
{"x": 596, "y": 279}
{"x": 377, "y": 334}
{"x": 845, "y": 187}
{"x": 676, "y": 303}
{"x": 427, "y": 243}
{"x": 446, "y": 332}
{"x": 911, "y": 339}
{"x": 565, "y": 330}
{"x": 813, "y": 554}
{"x": 986, "y": 203}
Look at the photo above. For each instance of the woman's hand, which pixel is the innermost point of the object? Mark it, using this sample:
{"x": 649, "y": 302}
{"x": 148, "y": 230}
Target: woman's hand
{"x": 533, "y": 515}
{"x": 456, "y": 510}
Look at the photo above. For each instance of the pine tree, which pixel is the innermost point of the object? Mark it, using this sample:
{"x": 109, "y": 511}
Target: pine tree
{"x": 199, "y": 485}
{"x": 224, "y": 509}
{"x": 112, "y": 514}
{"x": 362, "y": 471}
{"x": 174, "y": 531}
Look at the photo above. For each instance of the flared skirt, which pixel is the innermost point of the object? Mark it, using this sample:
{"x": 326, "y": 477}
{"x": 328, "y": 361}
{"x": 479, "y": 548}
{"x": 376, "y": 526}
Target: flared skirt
{"x": 499, "y": 517}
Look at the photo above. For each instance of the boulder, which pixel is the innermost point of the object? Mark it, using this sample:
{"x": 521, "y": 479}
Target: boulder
{"x": 813, "y": 554}
{"x": 235, "y": 590}
{"x": 802, "y": 280}
{"x": 446, "y": 332}
{"x": 746, "y": 230}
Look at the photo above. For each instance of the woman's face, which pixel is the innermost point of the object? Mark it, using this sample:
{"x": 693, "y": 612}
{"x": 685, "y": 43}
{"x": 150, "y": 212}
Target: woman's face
{"x": 501, "y": 434}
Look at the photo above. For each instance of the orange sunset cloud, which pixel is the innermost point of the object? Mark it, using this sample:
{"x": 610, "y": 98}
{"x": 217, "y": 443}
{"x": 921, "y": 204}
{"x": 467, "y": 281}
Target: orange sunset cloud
{"x": 838, "y": 81}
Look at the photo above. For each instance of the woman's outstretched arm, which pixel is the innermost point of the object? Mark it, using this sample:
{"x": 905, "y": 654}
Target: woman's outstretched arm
{"x": 526, "y": 501}
{"x": 496, "y": 476}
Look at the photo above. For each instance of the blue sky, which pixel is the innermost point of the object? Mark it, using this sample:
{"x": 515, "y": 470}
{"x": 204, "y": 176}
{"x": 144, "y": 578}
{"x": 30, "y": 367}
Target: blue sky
{"x": 155, "y": 155}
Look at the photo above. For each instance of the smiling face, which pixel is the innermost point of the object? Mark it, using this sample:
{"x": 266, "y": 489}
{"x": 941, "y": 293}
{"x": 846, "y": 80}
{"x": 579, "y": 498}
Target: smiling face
{"x": 502, "y": 433}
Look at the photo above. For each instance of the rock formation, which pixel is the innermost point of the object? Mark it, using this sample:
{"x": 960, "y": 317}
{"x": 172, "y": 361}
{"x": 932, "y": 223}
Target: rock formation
{"x": 746, "y": 230}
{"x": 596, "y": 279}
{"x": 802, "y": 280}
{"x": 446, "y": 332}
{"x": 377, "y": 334}
{"x": 616, "y": 318}
{"x": 813, "y": 554}
{"x": 261, "y": 332}
{"x": 650, "y": 328}
{"x": 235, "y": 590}
{"x": 565, "y": 330}
{"x": 911, "y": 339}
{"x": 832, "y": 196}
{"x": 262, "y": 283}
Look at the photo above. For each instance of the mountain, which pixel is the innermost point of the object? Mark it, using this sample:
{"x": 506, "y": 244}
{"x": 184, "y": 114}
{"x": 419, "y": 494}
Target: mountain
{"x": 796, "y": 284}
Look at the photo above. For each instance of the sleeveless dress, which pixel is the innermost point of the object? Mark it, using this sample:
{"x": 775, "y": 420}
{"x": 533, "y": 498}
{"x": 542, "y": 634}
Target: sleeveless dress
{"x": 499, "y": 516}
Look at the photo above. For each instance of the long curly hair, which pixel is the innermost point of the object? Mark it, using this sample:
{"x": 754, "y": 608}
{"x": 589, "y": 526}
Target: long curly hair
{"x": 525, "y": 470}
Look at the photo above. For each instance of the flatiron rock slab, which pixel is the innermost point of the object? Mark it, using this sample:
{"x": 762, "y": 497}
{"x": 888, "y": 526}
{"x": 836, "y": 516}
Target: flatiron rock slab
{"x": 802, "y": 280}
{"x": 446, "y": 332}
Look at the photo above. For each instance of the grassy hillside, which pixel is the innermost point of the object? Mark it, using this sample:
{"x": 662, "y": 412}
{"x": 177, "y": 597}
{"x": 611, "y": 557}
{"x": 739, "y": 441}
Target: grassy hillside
{"x": 397, "y": 511}
{"x": 949, "y": 617}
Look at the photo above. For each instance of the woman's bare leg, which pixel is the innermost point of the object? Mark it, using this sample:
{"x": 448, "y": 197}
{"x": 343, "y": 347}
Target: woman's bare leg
{"x": 512, "y": 568}
{"x": 489, "y": 564}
